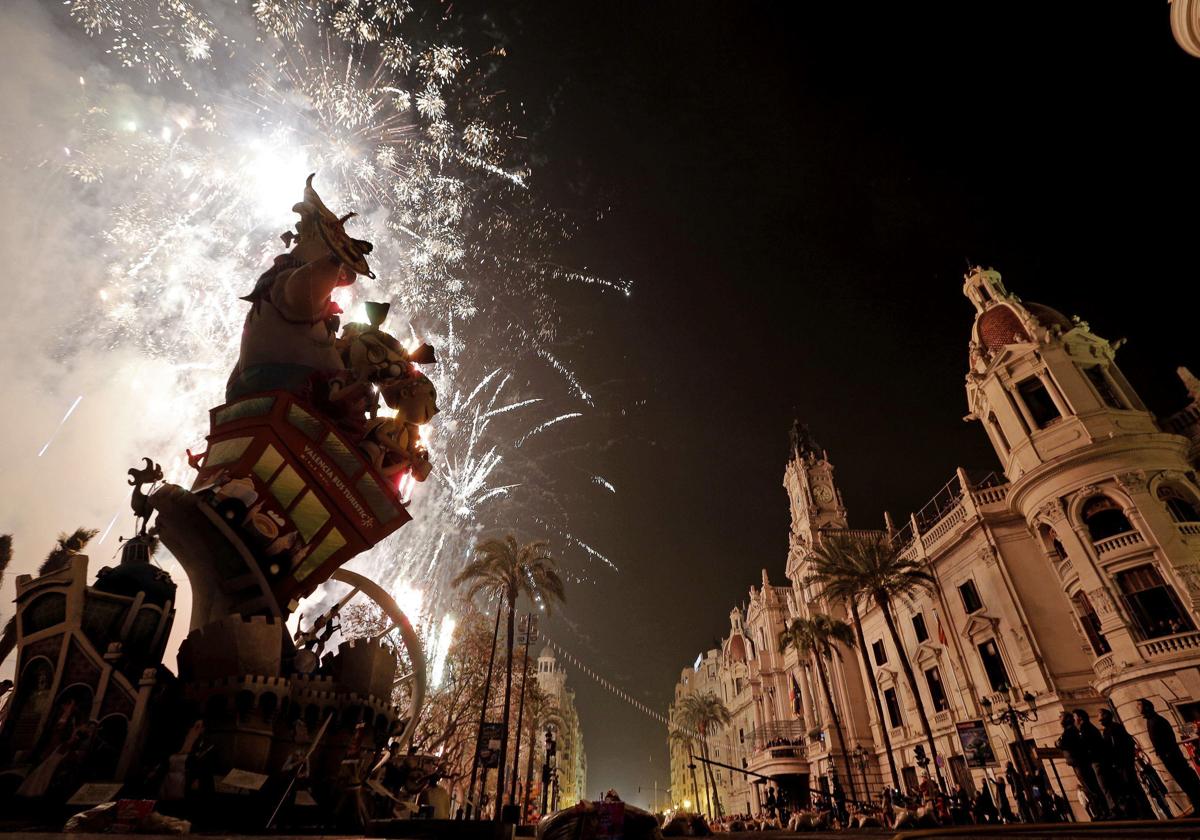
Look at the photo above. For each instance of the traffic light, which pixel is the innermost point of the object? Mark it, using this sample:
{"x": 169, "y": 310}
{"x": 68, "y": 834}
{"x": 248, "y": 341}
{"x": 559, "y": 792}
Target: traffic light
{"x": 919, "y": 751}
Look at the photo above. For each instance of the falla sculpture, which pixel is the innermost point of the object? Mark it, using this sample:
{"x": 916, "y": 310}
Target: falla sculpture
{"x": 319, "y": 429}
{"x": 302, "y": 465}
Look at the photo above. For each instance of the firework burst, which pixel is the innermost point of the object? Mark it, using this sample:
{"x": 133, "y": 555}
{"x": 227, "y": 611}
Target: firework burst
{"x": 397, "y": 121}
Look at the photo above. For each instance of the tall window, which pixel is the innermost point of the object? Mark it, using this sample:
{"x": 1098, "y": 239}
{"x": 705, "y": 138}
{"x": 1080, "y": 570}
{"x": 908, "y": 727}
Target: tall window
{"x": 1152, "y": 603}
{"x": 937, "y": 692}
{"x": 1104, "y": 388}
{"x": 893, "y": 707}
{"x": 1037, "y": 399}
{"x": 970, "y": 597}
{"x": 1091, "y": 623}
{"x": 1178, "y": 505}
{"x": 878, "y": 652}
{"x": 919, "y": 627}
{"x": 993, "y": 666}
{"x": 1104, "y": 518}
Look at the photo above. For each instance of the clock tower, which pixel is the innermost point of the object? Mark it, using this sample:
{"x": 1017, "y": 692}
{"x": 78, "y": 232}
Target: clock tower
{"x": 814, "y": 498}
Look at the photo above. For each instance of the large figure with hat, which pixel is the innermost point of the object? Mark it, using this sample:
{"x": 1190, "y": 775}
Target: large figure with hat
{"x": 292, "y": 324}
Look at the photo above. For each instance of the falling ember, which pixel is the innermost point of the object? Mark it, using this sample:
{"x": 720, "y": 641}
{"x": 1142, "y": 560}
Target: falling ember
{"x": 61, "y": 423}
{"x": 111, "y": 523}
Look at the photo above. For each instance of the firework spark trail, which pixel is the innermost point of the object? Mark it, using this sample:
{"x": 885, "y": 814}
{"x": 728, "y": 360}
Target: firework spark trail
{"x": 541, "y": 427}
{"x": 399, "y": 125}
{"x": 566, "y": 374}
{"x": 111, "y": 523}
{"x": 61, "y": 423}
{"x": 604, "y": 482}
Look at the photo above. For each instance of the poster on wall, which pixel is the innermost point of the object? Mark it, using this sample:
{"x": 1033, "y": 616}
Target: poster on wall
{"x": 976, "y": 747}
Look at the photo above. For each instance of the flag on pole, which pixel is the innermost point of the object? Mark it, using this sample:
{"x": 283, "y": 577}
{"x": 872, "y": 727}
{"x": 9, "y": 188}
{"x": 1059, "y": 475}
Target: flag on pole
{"x": 941, "y": 632}
{"x": 794, "y": 696}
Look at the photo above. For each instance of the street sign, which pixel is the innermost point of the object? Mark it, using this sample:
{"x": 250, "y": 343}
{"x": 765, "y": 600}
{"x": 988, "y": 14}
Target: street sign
{"x": 528, "y": 633}
{"x": 1049, "y": 752}
{"x": 491, "y": 736}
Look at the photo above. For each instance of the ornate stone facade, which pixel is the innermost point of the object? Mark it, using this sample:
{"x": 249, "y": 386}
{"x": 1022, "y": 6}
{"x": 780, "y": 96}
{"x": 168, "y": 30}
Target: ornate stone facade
{"x": 562, "y": 717}
{"x": 1072, "y": 574}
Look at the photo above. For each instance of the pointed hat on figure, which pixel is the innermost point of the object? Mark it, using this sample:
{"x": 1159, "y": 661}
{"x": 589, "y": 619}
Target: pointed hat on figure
{"x": 332, "y": 229}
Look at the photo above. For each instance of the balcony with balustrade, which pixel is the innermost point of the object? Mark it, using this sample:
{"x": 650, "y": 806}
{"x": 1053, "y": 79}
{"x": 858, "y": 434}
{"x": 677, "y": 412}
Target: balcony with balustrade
{"x": 777, "y": 748}
{"x": 1168, "y": 647}
{"x": 1119, "y": 546}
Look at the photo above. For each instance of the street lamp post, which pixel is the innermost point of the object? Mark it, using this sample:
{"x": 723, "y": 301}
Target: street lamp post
{"x": 1014, "y": 717}
{"x": 859, "y": 754}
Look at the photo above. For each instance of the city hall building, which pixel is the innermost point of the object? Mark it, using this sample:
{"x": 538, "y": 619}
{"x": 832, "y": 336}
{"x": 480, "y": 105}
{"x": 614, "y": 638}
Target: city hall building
{"x": 1069, "y": 579}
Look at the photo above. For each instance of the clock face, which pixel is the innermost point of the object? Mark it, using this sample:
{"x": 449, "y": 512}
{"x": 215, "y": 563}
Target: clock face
{"x": 823, "y": 493}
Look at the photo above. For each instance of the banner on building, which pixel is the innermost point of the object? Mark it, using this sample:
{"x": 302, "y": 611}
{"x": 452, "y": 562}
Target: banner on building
{"x": 491, "y": 736}
{"x": 977, "y": 747}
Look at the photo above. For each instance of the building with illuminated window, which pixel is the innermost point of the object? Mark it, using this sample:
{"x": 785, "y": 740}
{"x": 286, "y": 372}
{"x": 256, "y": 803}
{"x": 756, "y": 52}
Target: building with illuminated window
{"x": 1068, "y": 579}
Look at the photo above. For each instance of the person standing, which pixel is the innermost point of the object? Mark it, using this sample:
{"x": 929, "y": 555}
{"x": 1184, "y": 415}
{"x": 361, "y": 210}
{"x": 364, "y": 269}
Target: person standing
{"x": 1076, "y": 750}
{"x": 1122, "y": 749}
{"x": 1102, "y": 765}
{"x": 1166, "y": 747}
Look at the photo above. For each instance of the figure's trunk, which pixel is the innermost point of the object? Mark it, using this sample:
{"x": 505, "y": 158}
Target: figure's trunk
{"x": 883, "y": 722}
{"x": 473, "y": 809}
{"x": 508, "y": 667}
{"x": 836, "y": 720}
{"x": 886, "y": 607}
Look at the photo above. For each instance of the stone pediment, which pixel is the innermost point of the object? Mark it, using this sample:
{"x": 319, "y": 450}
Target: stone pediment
{"x": 980, "y": 624}
{"x": 884, "y": 677}
{"x": 926, "y": 654}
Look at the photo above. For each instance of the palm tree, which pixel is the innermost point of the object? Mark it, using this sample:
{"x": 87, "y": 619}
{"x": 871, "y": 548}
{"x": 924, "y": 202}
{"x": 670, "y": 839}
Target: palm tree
{"x": 703, "y": 713}
{"x": 872, "y": 568}
{"x": 67, "y": 546}
{"x": 818, "y": 638}
{"x": 688, "y": 742}
{"x": 828, "y": 553}
{"x": 503, "y": 567}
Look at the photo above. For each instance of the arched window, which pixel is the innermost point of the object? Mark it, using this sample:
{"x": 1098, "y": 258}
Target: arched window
{"x": 1051, "y": 544}
{"x": 1180, "y": 506}
{"x": 1104, "y": 518}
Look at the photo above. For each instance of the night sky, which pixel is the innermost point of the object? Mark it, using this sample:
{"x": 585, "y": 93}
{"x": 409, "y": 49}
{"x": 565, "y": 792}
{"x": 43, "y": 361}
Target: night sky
{"x": 795, "y": 194}
{"x": 795, "y": 191}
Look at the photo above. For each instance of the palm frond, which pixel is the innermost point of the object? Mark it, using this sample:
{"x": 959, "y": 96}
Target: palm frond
{"x": 854, "y": 568}
{"x": 68, "y": 545}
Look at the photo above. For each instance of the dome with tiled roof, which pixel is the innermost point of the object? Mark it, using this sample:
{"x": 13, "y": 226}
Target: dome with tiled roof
{"x": 999, "y": 326}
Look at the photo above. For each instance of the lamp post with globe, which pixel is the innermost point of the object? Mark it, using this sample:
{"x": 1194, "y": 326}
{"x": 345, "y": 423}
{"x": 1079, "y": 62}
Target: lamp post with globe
{"x": 1009, "y": 712}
